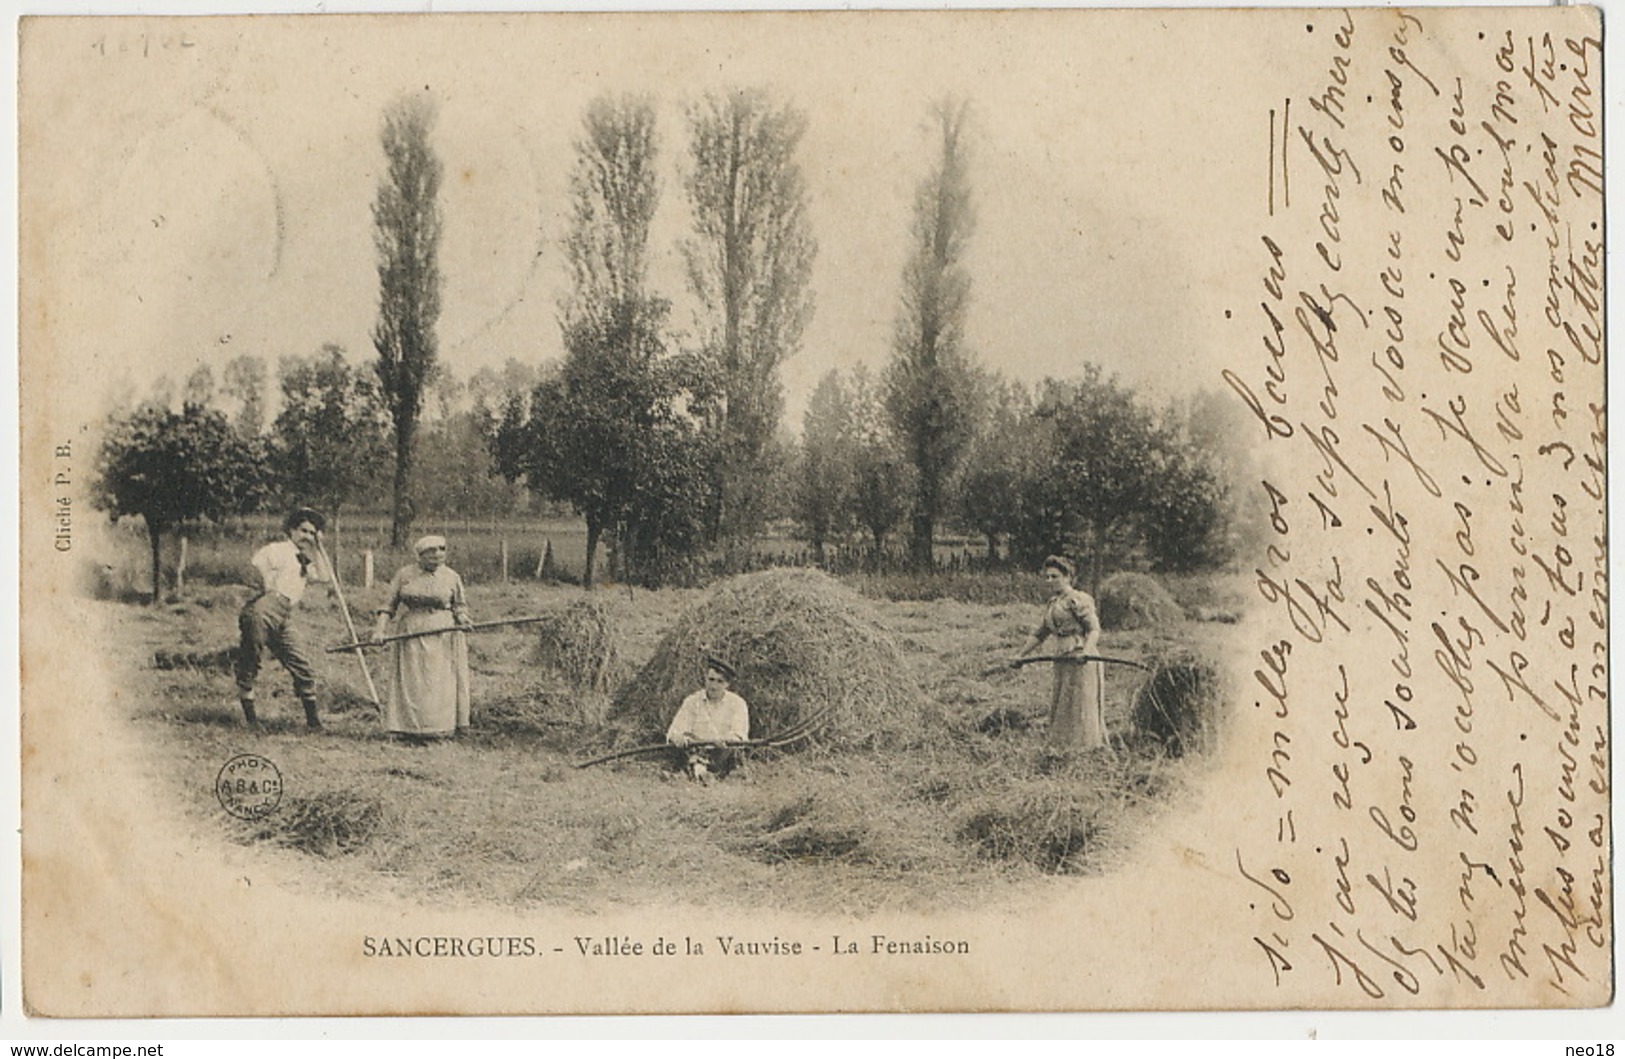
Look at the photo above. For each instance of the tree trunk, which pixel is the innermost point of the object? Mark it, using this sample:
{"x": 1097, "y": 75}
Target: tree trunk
{"x": 594, "y": 530}
{"x": 992, "y": 550}
{"x": 920, "y": 545}
{"x": 401, "y": 508}
{"x": 335, "y": 556}
{"x": 155, "y": 534}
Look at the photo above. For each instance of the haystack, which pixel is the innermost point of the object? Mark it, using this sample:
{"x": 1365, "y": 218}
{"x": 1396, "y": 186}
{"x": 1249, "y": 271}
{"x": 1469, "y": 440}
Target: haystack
{"x": 583, "y": 645}
{"x": 1181, "y": 703}
{"x": 801, "y": 642}
{"x": 1136, "y": 601}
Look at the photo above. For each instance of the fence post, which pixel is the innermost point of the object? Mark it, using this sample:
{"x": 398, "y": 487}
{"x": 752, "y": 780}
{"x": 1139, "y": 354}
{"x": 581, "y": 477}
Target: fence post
{"x": 366, "y": 568}
{"x": 180, "y": 568}
{"x": 504, "y": 560}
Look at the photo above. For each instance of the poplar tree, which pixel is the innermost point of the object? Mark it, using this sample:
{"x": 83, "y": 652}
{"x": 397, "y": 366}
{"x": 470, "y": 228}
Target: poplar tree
{"x": 749, "y": 263}
{"x": 931, "y": 381}
{"x": 406, "y": 233}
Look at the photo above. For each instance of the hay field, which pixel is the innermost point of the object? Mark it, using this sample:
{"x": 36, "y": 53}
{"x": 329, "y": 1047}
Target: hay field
{"x": 966, "y": 801}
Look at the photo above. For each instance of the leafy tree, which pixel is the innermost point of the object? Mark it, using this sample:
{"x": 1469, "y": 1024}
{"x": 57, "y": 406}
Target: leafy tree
{"x": 931, "y": 383}
{"x": 612, "y": 432}
{"x": 332, "y": 435}
{"x": 1113, "y": 480}
{"x": 990, "y": 482}
{"x": 1199, "y": 520}
{"x": 501, "y": 408}
{"x": 163, "y": 392}
{"x": 509, "y": 443}
{"x": 456, "y": 476}
{"x": 244, "y": 382}
{"x": 491, "y": 389}
{"x": 824, "y": 484}
{"x": 609, "y": 435}
{"x": 749, "y": 263}
{"x": 883, "y": 479}
{"x": 199, "y": 389}
{"x": 1187, "y": 525}
{"x": 174, "y": 469}
{"x": 406, "y": 219}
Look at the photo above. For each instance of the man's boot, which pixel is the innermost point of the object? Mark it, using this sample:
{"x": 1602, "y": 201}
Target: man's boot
{"x": 249, "y": 717}
{"x": 311, "y": 720}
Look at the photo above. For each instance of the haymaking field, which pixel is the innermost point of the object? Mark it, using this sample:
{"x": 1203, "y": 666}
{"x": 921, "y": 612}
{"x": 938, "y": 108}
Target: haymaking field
{"x": 925, "y": 785}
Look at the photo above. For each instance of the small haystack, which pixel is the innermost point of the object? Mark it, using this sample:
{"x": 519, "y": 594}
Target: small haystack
{"x": 1180, "y": 704}
{"x": 801, "y": 642}
{"x": 1136, "y": 601}
{"x": 330, "y": 824}
{"x": 583, "y": 645}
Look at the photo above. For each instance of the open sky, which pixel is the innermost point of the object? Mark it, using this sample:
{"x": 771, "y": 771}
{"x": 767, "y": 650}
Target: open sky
{"x": 216, "y": 194}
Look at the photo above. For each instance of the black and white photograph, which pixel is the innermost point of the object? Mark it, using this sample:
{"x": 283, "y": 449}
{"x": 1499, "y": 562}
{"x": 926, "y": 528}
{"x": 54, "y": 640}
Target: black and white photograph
{"x": 976, "y": 511}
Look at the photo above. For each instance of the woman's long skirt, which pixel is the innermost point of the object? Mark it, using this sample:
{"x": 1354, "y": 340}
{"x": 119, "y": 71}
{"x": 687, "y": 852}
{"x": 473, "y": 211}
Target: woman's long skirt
{"x": 1076, "y": 721}
{"x": 428, "y": 694}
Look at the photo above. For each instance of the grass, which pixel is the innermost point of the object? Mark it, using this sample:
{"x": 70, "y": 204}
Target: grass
{"x": 501, "y": 816}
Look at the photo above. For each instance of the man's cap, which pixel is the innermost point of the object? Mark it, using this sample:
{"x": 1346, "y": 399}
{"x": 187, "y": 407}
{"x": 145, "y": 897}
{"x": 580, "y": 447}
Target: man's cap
{"x": 304, "y": 514}
{"x": 713, "y": 662}
{"x": 1057, "y": 562}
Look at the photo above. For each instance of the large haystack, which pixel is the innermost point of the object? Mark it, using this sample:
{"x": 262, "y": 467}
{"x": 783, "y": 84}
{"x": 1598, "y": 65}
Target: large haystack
{"x": 801, "y": 642}
{"x": 1136, "y": 601}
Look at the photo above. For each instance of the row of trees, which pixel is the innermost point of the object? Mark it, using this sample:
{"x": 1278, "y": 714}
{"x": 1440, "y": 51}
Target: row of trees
{"x": 1084, "y": 466}
{"x": 669, "y": 451}
{"x": 675, "y": 450}
{"x": 208, "y": 454}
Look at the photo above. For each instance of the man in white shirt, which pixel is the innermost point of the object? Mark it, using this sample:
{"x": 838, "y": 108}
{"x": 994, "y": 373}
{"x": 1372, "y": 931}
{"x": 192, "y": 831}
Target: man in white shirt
{"x": 281, "y": 570}
{"x": 707, "y": 719}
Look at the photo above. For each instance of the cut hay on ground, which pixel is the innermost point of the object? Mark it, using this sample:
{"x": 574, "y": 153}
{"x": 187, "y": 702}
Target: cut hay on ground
{"x": 539, "y": 710}
{"x": 1180, "y": 704}
{"x": 801, "y": 642}
{"x": 1050, "y": 826}
{"x": 219, "y": 660}
{"x": 837, "y": 823}
{"x": 1136, "y": 601}
{"x": 331, "y": 824}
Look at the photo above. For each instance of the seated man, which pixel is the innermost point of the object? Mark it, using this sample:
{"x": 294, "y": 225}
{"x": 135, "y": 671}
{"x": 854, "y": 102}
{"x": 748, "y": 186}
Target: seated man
{"x": 707, "y": 719}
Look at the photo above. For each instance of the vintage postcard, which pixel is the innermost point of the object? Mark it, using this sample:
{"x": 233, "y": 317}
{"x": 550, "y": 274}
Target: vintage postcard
{"x": 814, "y": 512}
